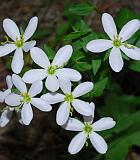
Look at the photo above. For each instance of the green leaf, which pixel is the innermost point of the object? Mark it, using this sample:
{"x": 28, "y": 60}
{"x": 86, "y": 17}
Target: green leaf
{"x": 96, "y": 63}
{"x": 99, "y": 87}
{"x": 50, "y": 52}
{"x": 82, "y": 66}
{"x": 81, "y": 9}
{"x": 134, "y": 66}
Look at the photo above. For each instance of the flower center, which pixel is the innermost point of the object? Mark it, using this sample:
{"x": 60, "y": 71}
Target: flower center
{"x": 26, "y": 98}
{"x": 68, "y": 97}
{"x": 51, "y": 70}
{"x": 88, "y": 128}
{"x": 117, "y": 41}
{"x": 19, "y": 42}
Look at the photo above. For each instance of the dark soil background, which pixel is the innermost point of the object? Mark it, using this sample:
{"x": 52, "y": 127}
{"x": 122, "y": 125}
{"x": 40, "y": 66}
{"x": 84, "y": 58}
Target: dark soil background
{"x": 43, "y": 139}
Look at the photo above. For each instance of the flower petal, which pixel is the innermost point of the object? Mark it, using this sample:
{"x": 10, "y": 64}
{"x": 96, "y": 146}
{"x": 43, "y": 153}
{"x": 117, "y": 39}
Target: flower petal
{"x": 53, "y": 98}
{"x": 13, "y": 99}
{"x": 70, "y": 74}
{"x": 36, "y": 88}
{"x": 26, "y": 113}
{"x": 31, "y": 28}
{"x": 5, "y": 117}
{"x": 73, "y": 124}
{"x": 34, "y": 75}
{"x": 6, "y": 49}
{"x": 40, "y": 57}
{"x": 29, "y": 45}
{"x": 77, "y": 143}
{"x": 17, "y": 62}
{"x": 9, "y": 82}
{"x": 82, "y": 89}
{"x": 109, "y": 25}
{"x": 82, "y": 107}
{"x": 115, "y": 60}
{"x": 90, "y": 118}
{"x": 104, "y": 124}
{"x": 4, "y": 94}
{"x": 63, "y": 113}
{"x": 129, "y": 29}
{"x": 11, "y": 29}
{"x": 18, "y": 83}
{"x": 133, "y": 53}
{"x": 98, "y": 143}
{"x": 99, "y": 45}
{"x": 52, "y": 83}
{"x": 65, "y": 84}
{"x": 63, "y": 55}
{"x": 41, "y": 104}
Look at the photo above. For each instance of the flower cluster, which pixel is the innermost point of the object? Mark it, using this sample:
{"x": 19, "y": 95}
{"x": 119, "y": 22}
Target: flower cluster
{"x": 55, "y": 76}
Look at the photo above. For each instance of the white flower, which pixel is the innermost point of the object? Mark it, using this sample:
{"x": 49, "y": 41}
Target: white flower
{"x": 88, "y": 130}
{"x": 117, "y": 42}
{"x": 7, "y": 114}
{"x": 25, "y": 99}
{"x": 19, "y": 42}
{"x": 51, "y": 71}
{"x": 69, "y": 100}
{"x": 4, "y": 94}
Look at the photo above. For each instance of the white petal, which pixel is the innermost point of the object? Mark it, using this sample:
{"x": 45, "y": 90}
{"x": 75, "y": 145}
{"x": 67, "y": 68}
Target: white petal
{"x": 52, "y": 83}
{"x": 77, "y": 143}
{"x": 18, "y": 83}
{"x": 26, "y": 113}
{"x": 53, "y": 98}
{"x": 98, "y": 143}
{"x": 63, "y": 113}
{"x": 29, "y": 45}
{"x": 65, "y": 84}
{"x": 34, "y": 75}
{"x": 129, "y": 29}
{"x": 13, "y": 99}
{"x": 63, "y": 55}
{"x": 2, "y": 97}
{"x": 70, "y": 74}
{"x": 36, "y": 88}
{"x": 9, "y": 82}
{"x": 82, "y": 107}
{"x": 73, "y": 124}
{"x": 18, "y": 61}
{"x": 115, "y": 60}
{"x": 30, "y": 28}
{"x": 99, "y": 45}
{"x": 6, "y": 49}
{"x": 109, "y": 25}
{"x": 4, "y": 94}
{"x": 41, "y": 104}
{"x": 5, "y": 118}
{"x": 133, "y": 53}
{"x": 82, "y": 89}
{"x": 40, "y": 57}
{"x": 90, "y": 118}
{"x": 104, "y": 124}
{"x": 11, "y": 29}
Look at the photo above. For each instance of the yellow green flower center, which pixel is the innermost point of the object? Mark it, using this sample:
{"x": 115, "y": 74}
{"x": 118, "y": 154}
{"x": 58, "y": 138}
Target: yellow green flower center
{"x": 88, "y": 128}
{"x": 19, "y": 42}
{"x": 117, "y": 42}
{"x": 26, "y": 98}
{"x": 51, "y": 70}
{"x": 68, "y": 97}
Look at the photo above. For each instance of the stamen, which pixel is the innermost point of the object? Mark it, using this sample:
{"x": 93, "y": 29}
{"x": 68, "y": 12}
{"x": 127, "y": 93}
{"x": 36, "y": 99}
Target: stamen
{"x": 68, "y": 97}
{"x": 26, "y": 98}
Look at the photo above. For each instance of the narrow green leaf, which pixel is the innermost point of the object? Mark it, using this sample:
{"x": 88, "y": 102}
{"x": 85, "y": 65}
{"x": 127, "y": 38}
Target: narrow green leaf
{"x": 96, "y": 63}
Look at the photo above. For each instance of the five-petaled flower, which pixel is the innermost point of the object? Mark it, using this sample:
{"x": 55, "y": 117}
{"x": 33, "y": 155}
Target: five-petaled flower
{"x": 117, "y": 42}
{"x": 88, "y": 130}
{"x": 69, "y": 100}
{"x": 19, "y": 42}
{"x": 53, "y": 71}
{"x": 25, "y": 99}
